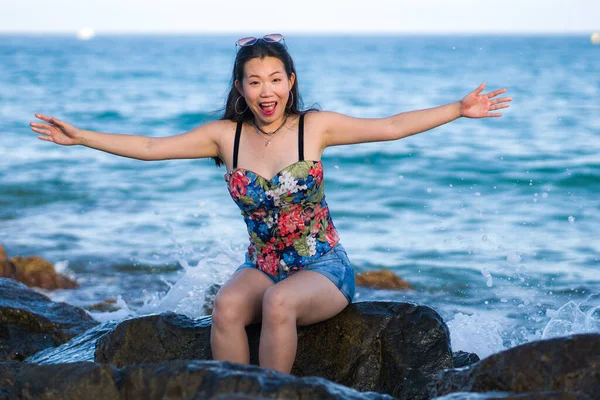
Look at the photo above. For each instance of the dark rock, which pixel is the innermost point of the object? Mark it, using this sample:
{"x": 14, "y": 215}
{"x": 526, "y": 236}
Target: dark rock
{"x": 155, "y": 338}
{"x": 62, "y": 381}
{"x": 209, "y": 298}
{"x": 381, "y": 279}
{"x": 515, "y": 396}
{"x": 463, "y": 359}
{"x": 567, "y": 364}
{"x": 387, "y": 347}
{"x": 176, "y": 379}
{"x": 80, "y": 348}
{"x": 30, "y": 321}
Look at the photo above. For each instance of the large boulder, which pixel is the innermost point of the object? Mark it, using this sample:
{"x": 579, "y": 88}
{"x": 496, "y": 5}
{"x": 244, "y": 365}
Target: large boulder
{"x": 567, "y": 364}
{"x": 176, "y": 379}
{"x": 30, "y": 321}
{"x": 386, "y": 347}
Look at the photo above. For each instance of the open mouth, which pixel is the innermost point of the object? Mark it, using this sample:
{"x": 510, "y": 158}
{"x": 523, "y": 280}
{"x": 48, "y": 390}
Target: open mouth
{"x": 268, "y": 108}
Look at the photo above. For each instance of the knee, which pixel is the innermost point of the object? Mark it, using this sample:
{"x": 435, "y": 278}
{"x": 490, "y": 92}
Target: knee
{"x": 277, "y": 306}
{"x": 227, "y": 308}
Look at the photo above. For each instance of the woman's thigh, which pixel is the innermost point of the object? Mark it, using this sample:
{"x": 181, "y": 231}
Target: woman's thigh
{"x": 242, "y": 295}
{"x": 308, "y": 295}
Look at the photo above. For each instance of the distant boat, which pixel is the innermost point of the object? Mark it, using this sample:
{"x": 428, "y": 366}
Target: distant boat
{"x": 85, "y": 34}
{"x": 595, "y": 38}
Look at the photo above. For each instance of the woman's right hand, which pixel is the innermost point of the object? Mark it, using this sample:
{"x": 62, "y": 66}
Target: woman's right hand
{"x": 56, "y": 131}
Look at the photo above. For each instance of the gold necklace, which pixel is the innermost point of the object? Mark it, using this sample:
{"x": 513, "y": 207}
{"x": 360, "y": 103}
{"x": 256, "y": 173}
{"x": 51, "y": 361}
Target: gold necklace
{"x": 259, "y": 131}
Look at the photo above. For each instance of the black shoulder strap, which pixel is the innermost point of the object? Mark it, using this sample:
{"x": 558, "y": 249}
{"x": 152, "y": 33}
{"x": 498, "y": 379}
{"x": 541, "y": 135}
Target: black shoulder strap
{"x": 236, "y": 144}
{"x": 301, "y": 138}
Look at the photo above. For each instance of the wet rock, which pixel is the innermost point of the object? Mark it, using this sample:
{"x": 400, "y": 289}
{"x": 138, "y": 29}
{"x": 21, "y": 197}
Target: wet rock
{"x": 7, "y": 268}
{"x": 179, "y": 379}
{"x": 567, "y": 364}
{"x": 80, "y": 348}
{"x": 387, "y": 347}
{"x": 209, "y": 298}
{"x": 3, "y": 255}
{"x": 515, "y": 396}
{"x": 381, "y": 279}
{"x": 30, "y": 321}
{"x": 463, "y": 359}
{"x": 155, "y": 338}
{"x": 33, "y": 271}
{"x": 62, "y": 381}
{"x": 107, "y": 305}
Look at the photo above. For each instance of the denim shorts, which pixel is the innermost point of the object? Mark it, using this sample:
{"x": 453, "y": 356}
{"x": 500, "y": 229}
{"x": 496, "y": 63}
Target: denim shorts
{"x": 334, "y": 264}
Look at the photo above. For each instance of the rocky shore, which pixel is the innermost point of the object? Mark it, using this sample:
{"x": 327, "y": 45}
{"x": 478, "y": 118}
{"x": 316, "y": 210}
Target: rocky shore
{"x": 372, "y": 350}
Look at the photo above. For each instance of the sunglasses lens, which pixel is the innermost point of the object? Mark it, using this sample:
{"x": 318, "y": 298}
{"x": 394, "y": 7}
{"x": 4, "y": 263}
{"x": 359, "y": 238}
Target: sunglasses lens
{"x": 273, "y": 38}
{"x": 247, "y": 41}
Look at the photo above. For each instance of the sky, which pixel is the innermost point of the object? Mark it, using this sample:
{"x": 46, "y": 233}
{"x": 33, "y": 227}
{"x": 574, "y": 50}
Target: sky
{"x": 306, "y": 16}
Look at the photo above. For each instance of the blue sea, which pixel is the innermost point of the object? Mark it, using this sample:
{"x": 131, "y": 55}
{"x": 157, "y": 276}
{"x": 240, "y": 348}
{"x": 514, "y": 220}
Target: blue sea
{"x": 495, "y": 222}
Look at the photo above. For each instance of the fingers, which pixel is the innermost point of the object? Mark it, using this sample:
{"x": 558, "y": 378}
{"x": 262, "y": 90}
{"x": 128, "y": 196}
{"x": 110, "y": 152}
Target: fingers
{"x": 56, "y": 122}
{"x": 42, "y": 117}
{"x": 495, "y": 93}
{"x": 479, "y": 89}
{"x": 501, "y": 100}
{"x": 38, "y": 125}
{"x": 499, "y": 106}
{"x": 493, "y": 115}
{"x": 51, "y": 120}
{"x": 40, "y": 128}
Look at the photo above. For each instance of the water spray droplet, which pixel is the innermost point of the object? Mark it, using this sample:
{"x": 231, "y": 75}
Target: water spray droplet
{"x": 513, "y": 258}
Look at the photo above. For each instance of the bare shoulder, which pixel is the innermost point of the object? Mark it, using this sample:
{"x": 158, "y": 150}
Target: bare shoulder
{"x": 205, "y": 140}
{"x": 216, "y": 127}
{"x": 219, "y": 131}
{"x": 318, "y": 121}
{"x": 314, "y": 132}
{"x": 322, "y": 121}
{"x": 319, "y": 118}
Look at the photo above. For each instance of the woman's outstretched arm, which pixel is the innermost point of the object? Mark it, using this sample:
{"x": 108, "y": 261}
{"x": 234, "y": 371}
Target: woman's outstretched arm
{"x": 341, "y": 129}
{"x": 198, "y": 143}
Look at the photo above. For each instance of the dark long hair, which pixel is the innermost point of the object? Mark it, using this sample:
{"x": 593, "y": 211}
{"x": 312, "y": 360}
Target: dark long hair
{"x": 260, "y": 49}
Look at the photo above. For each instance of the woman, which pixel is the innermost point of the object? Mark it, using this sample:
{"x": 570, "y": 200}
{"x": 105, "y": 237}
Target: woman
{"x": 296, "y": 272}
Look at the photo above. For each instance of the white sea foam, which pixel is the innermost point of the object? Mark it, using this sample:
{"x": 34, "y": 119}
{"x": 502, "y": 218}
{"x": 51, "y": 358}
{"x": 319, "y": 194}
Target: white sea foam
{"x": 187, "y": 295}
{"x": 484, "y": 335}
{"x": 479, "y": 334}
{"x": 122, "y": 313}
{"x": 574, "y": 318}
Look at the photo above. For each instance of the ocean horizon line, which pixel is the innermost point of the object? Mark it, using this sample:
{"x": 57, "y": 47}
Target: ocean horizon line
{"x": 309, "y": 34}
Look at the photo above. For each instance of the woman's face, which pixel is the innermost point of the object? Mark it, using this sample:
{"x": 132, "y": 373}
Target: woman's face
{"x": 266, "y": 88}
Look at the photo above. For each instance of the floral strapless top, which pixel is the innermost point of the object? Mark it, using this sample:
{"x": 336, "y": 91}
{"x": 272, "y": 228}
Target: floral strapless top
{"x": 287, "y": 216}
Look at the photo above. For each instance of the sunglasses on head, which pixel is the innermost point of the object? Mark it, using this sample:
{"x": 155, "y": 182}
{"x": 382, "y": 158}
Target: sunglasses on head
{"x": 251, "y": 41}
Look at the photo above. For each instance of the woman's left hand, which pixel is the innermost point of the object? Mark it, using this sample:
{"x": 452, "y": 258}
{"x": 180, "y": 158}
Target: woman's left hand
{"x": 477, "y": 105}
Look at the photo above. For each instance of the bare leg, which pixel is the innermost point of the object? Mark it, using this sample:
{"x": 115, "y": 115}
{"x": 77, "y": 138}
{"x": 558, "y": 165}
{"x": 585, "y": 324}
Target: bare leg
{"x": 237, "y": 304}
{"x": 305, "y": 298}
